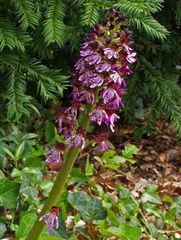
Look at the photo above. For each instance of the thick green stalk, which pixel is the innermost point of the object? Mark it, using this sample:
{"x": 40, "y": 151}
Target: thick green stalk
{"x": 69, "y": 159}
{"x": 55, "y": 192}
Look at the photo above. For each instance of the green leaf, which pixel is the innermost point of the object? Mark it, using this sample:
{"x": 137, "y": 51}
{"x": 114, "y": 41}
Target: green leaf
{"x": 112, "y": 217}
{"x": 19, "y": 151}
{"x": 162, "y": 237}
{"x": 16, "y": 173}
{"x": 125, "y": 231}
{"x": 8, "y": 193}
{"x": 177, "y": 205}
{"x": 93, "y": 210}
{"x": 78, "y": 177}
{"x": 3, "y": 229}
{"x": 26, "y": 189}
{"x": 2, "y": 175}
{"x": 115, "y": 162}
{"x": 129, "y": 151}
{"x": 171, "y": 215}
{"x": 150, "y": 195}
{"x": 50, "y": 131}
{"x": 46, "y": 185}
{"x": 139, "y": 7}
{"x": 90, "y": 209}
{"x": 50, "y": 238}
{"x": 151, "y": 208}
{"x": 9, "y": 153}
{"x": 78, "y": 199}
{"x": 89, "y": 168}
{"x": 30, "y": 136}
{"x": 26, "y": 223}
{"x": 127, "y": 204}
{"x": 34, "y": 162}
{"x": 109, "y": 154}
{"x": 152, "y": 229}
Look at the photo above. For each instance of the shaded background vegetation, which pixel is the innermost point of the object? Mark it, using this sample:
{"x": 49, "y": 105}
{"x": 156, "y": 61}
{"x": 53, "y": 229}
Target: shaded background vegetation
{"x": 39, "y": 42}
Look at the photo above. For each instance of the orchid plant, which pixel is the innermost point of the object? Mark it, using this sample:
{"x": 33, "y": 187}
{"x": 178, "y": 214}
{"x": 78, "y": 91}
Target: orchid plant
{"x": 98, "y": 88}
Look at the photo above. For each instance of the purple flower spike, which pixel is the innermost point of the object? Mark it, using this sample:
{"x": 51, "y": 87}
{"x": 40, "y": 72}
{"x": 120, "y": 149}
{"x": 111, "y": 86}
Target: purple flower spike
{"x": 98, "y": 79}
{"x": 51, "y": 218}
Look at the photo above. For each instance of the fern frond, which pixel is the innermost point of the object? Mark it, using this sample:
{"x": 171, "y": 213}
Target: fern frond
{"x": 77, "y": 2}
{"x": 163, "y": 94}
{"x": 131, "y": 98}
{"x": 54, "y": 29}
{"x": 178, "y": 12}
{"x": 50, "y": 82}
{"x": 153, "y": 28}
{"x": 140, "y": 7}
{"x": 139, "y": 12}
{"x": 91, "y": 16}
{"x": 152, "y": 114}
{"x": 39, "y": 47}
{"x": 12, "y": 38}
{"x": 18, "y": 102}
{"x": 25, "y": 10}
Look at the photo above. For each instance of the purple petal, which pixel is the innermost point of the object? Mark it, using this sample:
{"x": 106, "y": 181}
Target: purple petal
{"x": 114, "y": 117}
{"x": 93, "y": 59}
{"x": 103, "y": 67}
{"x": 131, "y": 57}
{"x": 103, "y": 147}
{"x": 116, "y": 78}
{"x": 110, "y": 53}
{"x": 85, "y": 53}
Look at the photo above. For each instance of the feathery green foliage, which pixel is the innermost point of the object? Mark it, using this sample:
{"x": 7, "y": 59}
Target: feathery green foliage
{"x": 25, "y": 11}
{"x": 91, "y": 15}
{"x": 39, "y": 41}
{"x": 54, "y": 29}
{"x": 154, "y": 90}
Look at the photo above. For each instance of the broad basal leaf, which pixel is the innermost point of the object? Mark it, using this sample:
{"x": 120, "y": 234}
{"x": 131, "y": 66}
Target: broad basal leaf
{"x": 150, "y": 195}
{"x": 93, "y": 210}
{"x": 26, "y": 223}
{"x": 90, "y": 208}
{"x": 125, "y": 231}
{"x": 8, "y": 193}
{"x": 78, "y": 199}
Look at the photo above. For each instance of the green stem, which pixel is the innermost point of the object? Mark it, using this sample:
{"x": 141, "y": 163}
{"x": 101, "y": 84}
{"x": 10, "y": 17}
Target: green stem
{"x": 55, "y": 192}
{"x": 69, "y": 159}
